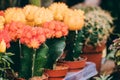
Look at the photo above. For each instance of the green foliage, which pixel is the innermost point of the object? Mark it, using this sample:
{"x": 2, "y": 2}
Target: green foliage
{"x": 103, "y": 77}
{"x": 115, "y": 51}
{"x": 56, "y": 47}
{"x": 5, "y": 62}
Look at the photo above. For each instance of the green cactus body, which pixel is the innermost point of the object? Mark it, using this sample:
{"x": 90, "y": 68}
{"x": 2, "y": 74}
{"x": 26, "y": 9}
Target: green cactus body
{"x": 26, "y": 62}
{"x": 33, "y": 61}
{"x": 74, "y": 45}
{"x": 40, "y": 60}
{"x": 56, "y": 47}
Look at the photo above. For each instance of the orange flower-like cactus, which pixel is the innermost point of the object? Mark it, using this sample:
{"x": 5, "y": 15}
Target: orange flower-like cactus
{"x": 58, "y": 10}
{"x": 33, "y": 37}
{"x": 4, "y": 39}
{"x": 2, "y": 20}
{"x": 14, "y": 29}
{"x": 1, "y": 13}
{"x": 14, "y": 14}
{"x": 74, "y": 19}
{"x": 55, "y": 29}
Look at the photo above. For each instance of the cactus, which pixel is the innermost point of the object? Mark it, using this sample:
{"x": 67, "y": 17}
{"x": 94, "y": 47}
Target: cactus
{"x": 36, "y": 59}
{"x": 98, "y": 25}
{"x": 74, "y": 43}
{"x": 97, "y": 28}
{"x": 56, "y": 47}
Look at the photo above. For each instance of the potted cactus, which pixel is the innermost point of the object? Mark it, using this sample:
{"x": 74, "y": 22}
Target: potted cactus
{"x": 97, "y": 28}
{"x": 44, "y": 39}
{"x": 75, "y": 21}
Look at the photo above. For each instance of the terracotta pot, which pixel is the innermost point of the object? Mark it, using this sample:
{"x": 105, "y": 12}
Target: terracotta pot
{"x": 56, "y": 78}
{"x": 91, "y": 49}
{"x": 20, "y": 79}
{"x": 76, "y": 65}
{"x": 94, "y": 54}
{"x": 43, "y": 77}
{"x": 58, "y": 73}
{"x": 96, "y": 58}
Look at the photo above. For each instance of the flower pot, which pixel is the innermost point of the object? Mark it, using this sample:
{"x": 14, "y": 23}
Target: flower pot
{"x": 20, "y": 79}
{"x": 58, "y": 73}
{"x": 76, "y": 65}
{"x": 56, "y": 78}
{"x": 92, "y": 49}
{"x": 43, "y": 77}
{"x": 94, "y": 54}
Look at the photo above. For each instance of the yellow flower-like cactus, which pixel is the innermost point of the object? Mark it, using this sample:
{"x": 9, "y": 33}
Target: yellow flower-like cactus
{"x": 14, "y": 14}
{"x": 58, "y": 10}
{"x": 2, "y": 21}
{"x": 43, "y": 15}
{"x": 74, "y": 19}
{"x": 29, "y": 11}
{"x": 2, "y": 46}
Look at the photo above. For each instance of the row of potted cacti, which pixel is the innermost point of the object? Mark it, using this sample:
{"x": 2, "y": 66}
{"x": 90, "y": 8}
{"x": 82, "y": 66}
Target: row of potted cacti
{"x": 45, "y": 34}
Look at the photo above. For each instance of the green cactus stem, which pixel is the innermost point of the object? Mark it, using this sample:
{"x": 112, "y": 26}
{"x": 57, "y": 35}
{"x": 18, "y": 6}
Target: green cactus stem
{"x": 33, "y": 61}
{"x": 40, "y": 60}
{"x": 74, "y": 43}
{"x": 26, "y": 62}
{"x": 56, "y": 47}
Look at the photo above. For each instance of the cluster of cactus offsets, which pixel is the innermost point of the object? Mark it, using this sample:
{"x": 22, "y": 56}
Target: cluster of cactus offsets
{"x": 55, "y": 29}
{"x": 14, "y": 14}
{"x": 74, "y": 19}
{"x": 58, "y": 10}
{"x": 97, "y": 28}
